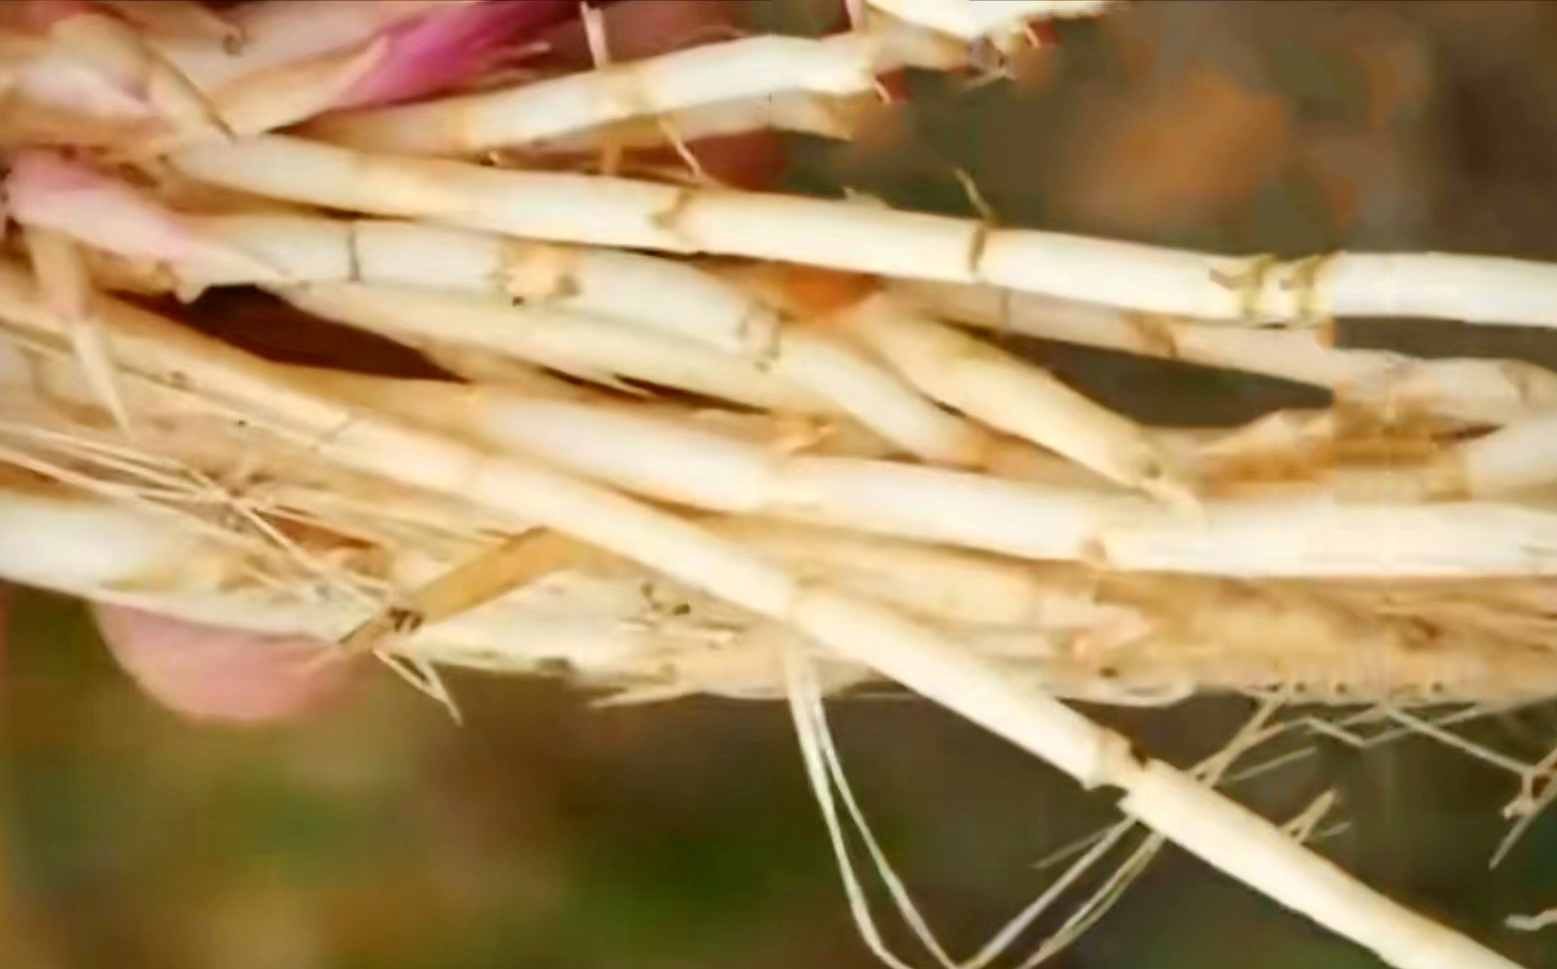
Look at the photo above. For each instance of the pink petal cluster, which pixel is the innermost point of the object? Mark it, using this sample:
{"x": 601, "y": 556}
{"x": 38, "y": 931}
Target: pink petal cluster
{"x": 444, "y": 47}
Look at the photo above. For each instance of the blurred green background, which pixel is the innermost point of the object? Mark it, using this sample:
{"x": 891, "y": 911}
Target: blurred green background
{"x": 547, "y": 833}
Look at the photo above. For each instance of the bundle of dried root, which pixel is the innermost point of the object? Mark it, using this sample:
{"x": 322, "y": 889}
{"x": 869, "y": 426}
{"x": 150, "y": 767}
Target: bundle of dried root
{"x": 694, "y": 439}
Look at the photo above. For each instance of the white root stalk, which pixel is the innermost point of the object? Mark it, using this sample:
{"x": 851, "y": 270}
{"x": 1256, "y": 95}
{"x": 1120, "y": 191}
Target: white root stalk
{"x": 111, "y": 553}
{"x": 661, "y": 294}
{"x": 970, "y": 20}
{"x": 737, "y": 468}
{"x": 1237, "y": 840}
{"x": 588, "y": 209}
{"x": 880, "y": 401}
{"x": 478, "y": 366}
{"x": 1276, "y": 455}
{"x": 746, "y": 69}
{"x": 197, "y": 466}
{"x": 1013, "y": 396}
{"x": 1285, "y": 444}
{"x": 592, "y": 348}
{"x": 1476, "y": 391}
{"x": 634, "y": 214}
{"x": 676, "y": 462}
{"x": 77, "y": 545}
{"x": 679, "y": 300}
{"x": 1308, "y": 534}
{"x": 1519, "y": 457}
{"x": 1153, "y": 639}
{"x": 1126, "y": 640}
{"x": 939, "y": 584}
{"x": 597, "y": 623}
{"x": 797, "y": 372}
{"x": 818, "y": 115}
{"x": 323, "y": 541}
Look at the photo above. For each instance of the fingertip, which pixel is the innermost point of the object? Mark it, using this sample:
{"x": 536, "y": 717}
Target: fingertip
{"x": 215, "y": 675}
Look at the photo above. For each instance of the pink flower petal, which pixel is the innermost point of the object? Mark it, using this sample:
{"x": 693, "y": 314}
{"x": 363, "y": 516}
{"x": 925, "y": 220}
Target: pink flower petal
{"x": 441, "y": 49}
{"x": 212, "y": 674}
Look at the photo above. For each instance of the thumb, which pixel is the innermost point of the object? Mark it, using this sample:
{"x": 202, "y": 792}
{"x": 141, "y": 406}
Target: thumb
{"x": 221, "y": 675}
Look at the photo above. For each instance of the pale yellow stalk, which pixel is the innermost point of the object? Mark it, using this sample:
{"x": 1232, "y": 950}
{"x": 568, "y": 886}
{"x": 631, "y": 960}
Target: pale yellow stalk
{"x": 1389, "y": 384}
{"x": 742, "y": 70}
{"x": 1013, "y": 396}
{"x": 1309, "y": 531}
{"x": 602, "y": 210}
{"x": 590, "y": 347}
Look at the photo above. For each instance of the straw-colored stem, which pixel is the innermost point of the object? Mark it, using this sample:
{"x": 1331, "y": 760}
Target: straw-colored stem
{"x": 879, "y": 400}
{"x": 1521, "y": 456}
{"x": 1123, "y": 640}
{"x": 743, "y": 467}
{"x": 136, "y": 557}
{"x": 590, "y": 347}
{"x": 746, "y": 69}
{"x": 661, "y": 294}
{"x": 679, "y": 300}
{"x": 797, "y": 372}
{"x": 818, "y": 115}
{"x": 1012, "y": 395}
{"x": 187, "y": 444}
{"x": 648, "y": 215}
{"x": 1388, "y": 384}
{"x": 1303, "y": 533}
{"x": 80, "y": 545}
